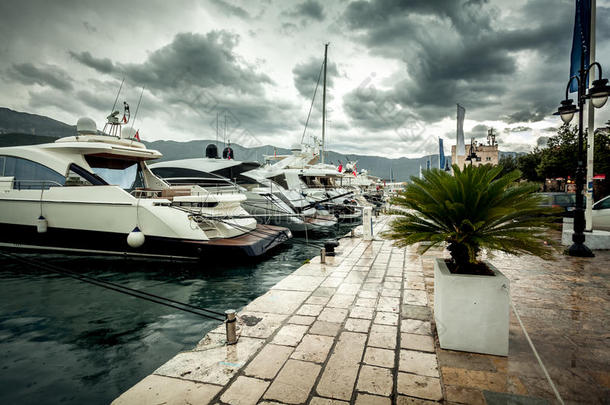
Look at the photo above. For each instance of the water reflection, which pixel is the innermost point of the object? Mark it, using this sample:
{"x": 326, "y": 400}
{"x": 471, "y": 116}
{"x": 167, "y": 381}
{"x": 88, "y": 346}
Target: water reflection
{"x": 62, "y": 340}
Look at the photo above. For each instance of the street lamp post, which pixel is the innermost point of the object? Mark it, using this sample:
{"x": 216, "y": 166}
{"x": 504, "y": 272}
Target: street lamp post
{"x": 598, "y": 94}
{"x": 472, "y": 154}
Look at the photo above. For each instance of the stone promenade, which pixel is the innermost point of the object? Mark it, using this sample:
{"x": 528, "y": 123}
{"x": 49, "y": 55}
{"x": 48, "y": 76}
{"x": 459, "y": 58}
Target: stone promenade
{"x": 356, "y": 329}
{"x": 359, "y": 329}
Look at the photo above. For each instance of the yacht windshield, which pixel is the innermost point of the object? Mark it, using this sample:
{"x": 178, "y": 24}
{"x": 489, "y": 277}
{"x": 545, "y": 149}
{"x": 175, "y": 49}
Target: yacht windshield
{"x": 123, "y": 173}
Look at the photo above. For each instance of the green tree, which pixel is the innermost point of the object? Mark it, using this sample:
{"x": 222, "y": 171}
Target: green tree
{"x": 528, "y": 165}
{"x": 475, "y": 208}
{"x": 559, "y": 158}
{"x": 601, "y": 164}
{"x": 508, "y": 163}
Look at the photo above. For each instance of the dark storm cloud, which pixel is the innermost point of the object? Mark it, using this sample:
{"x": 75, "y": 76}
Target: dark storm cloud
{"x": 202, "y": 61}
{"x": 231, "y": 9}
{"x": 478, "y": 131}
{"x": 460, "y": 51}
{"x": 198, "y": 77}
{"x": 102, "y": 65}
{"x": 378, "y": 110}
{"x": 306, "y": 76}
{"x": 525, "y": 116}
{"x": 44, "y": 75}
{"x": 462, "y": 14}
{"x": 309, "y": 9}
{"x": 89, "y": 27}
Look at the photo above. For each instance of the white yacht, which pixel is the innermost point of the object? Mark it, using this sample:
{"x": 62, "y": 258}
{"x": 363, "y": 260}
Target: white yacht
{"x": 322, "y": 185}
{"x": 94, "y": 193}
{"x": 266, "y": 200}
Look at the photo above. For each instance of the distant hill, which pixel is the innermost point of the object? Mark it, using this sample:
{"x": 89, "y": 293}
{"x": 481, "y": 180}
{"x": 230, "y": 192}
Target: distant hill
{"x": 401, "y": 168}
{"x": 19, "y": 128}
{"x": 25, "y": 123}
{"x": 24, "y": 139}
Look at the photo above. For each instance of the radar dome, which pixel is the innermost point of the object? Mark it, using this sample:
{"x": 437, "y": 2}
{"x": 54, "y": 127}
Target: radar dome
{"x": 86, "y": 126}
{"x": 128, "y": 133}
{"x": 295, "y": 147}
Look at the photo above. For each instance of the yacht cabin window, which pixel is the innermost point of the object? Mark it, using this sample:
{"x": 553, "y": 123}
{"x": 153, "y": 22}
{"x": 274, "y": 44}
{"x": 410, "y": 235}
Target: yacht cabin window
{"x": 281, "y": 180}
{"x": 318, "y": 182}
{"x": 28, "y": 174}
{"x": 119, "y": 172}
{"x": 77, "y": 176}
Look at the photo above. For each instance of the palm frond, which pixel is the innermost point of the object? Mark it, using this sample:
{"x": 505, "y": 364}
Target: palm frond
{"x": 475, "y": 208}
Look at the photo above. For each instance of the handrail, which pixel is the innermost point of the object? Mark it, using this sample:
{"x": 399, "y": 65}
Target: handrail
{"x": 16, "y": 182}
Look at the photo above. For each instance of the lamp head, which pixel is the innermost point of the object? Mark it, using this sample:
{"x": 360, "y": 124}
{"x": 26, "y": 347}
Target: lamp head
{"x": 599, "y": 92}
{"x": 566, "y": 110}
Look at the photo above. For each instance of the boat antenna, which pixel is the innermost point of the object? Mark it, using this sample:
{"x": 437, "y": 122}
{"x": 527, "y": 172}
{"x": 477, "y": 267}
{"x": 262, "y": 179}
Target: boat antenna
{"x": 117, "y": 95}
{"x": 224, "y": 138}
{"x": 324, "y": 101}
{"x": 137, "y": 108}
{"x": 312, "y": 101}
{"x": 217, "y": 130}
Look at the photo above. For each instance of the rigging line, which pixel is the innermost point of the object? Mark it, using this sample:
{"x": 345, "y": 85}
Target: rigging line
{"x": 108, "y": 284}
{"x": 276, "y": 210}
{"x": 117, "y": 95}
{"x": 312, "y": 101}
{"x": 259, "y": 232}
{"x": 137, "y": 108}
{"x": 255, "y": 231}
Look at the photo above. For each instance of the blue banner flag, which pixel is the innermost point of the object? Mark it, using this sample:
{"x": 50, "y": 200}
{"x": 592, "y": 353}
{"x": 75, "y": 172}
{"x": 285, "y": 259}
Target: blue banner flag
{"x": 581, "y": 40}
{"x": 441, "y": 154}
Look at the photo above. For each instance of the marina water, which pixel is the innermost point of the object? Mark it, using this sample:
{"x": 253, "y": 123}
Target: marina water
{"x": 65, "y": 341}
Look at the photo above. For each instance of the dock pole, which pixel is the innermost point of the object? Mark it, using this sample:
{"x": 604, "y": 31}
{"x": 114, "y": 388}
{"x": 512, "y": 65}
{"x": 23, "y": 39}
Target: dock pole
{"x": 323, "y": 255}
{"x": 231, "y": 326}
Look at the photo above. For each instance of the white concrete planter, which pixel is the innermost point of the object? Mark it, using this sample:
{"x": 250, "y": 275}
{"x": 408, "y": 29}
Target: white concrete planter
{"x": 471, "y": 312}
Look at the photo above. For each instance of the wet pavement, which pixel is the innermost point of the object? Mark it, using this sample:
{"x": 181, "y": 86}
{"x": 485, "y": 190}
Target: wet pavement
{"x": 359, "y": 329}
{"x": 565, "y": 308}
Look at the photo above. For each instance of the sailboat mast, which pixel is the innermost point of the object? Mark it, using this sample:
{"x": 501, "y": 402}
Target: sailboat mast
{"x": 324, "y": 101}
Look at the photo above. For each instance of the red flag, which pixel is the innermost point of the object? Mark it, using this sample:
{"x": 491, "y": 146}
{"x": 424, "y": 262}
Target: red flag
{"x": 340, "y": 168}
{"x": 137, "y": 135}
{"x": 355, "y": 170}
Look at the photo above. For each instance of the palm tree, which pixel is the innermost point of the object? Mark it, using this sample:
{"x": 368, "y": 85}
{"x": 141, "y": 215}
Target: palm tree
{"x": 474, "y": 209}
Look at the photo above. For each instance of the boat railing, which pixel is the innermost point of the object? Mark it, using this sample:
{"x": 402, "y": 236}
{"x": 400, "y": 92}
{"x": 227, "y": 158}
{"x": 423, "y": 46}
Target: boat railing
{"x": 8, "y": 183}
{"x": 214, "y": 185}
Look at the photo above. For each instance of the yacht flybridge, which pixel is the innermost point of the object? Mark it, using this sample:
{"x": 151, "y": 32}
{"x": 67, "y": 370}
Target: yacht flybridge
{"x": 94, "y": 193}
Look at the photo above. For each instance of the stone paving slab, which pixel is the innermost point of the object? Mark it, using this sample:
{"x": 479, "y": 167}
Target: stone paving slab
{"x": 360, "y": 329}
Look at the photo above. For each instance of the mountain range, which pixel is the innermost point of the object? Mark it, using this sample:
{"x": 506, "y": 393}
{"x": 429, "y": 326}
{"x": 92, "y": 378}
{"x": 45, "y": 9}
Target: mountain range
{"x": 20, "y": 128}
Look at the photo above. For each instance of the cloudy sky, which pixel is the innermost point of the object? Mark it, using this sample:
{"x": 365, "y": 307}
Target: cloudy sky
{"x": 396, "y": 68}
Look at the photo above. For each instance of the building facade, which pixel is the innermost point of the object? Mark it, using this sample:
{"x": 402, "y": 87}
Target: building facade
{"x": 478, "y": 153}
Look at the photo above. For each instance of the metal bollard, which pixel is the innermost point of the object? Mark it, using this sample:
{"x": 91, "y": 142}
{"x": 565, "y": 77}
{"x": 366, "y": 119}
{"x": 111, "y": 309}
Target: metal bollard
{"x": 231, "y": 323}
{"x": 322, "y": 255}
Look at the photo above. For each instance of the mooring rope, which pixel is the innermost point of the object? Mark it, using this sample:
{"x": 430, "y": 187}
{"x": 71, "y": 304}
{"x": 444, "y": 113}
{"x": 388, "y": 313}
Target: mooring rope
{"x": 117, "y": 287}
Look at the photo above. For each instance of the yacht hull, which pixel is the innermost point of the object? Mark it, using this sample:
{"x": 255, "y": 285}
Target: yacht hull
{"x": 251, "y": 244}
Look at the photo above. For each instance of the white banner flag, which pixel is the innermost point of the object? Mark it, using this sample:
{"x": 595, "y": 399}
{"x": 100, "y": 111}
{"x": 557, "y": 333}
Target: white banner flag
{"x": 460, "y": 148}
